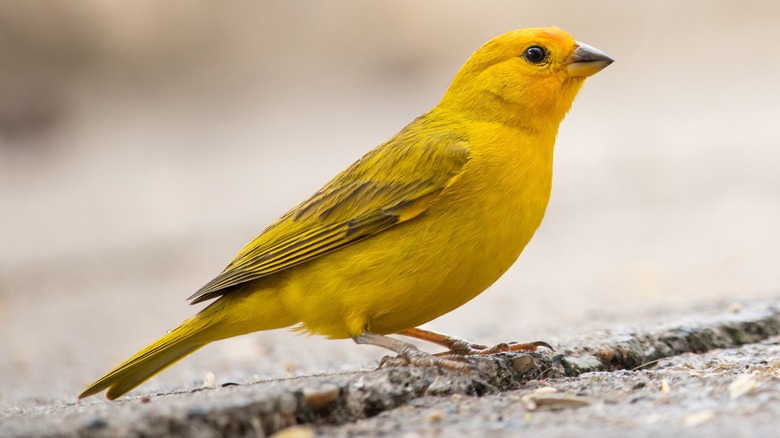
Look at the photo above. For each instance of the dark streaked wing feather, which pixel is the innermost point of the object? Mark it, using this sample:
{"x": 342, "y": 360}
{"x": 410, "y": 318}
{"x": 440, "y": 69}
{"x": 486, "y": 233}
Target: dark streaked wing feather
{"x": 391, "y": 184}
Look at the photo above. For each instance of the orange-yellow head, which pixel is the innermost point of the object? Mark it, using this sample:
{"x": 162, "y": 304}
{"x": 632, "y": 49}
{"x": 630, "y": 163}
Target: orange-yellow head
{"x": 524, "y": 74}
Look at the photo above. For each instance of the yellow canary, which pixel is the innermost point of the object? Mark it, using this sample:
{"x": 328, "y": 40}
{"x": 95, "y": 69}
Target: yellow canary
{"x": 414, "y": 229}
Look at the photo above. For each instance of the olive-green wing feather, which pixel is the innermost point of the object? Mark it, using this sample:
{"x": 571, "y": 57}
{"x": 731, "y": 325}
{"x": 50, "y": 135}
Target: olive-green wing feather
{"x": 394, "y": 183}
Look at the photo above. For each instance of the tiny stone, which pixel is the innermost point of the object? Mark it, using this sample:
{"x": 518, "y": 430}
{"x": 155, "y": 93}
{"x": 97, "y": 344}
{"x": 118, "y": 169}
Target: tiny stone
{"x": 532, "y": 384}
{"x": 545, "y": 390}
{"x": 742, "y": 385}
{"x": 295, "y": 432}
{"x": 436, "y": 417}
{"x": 210, "y": 380}
{"x": 585, "y": 362}
{"x": 554, "y": 402}
{"x": 318, "y": 398}
{"x": 699, "y": 418}
{"x": 290, "y": 369}
{"x": 94, "y": 423}
{"x": 665, "y": 388}
{"x": 523, "y": 364}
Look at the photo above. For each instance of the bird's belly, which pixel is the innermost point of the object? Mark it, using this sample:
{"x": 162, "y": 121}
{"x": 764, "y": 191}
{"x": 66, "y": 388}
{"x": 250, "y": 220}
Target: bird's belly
{"x": 411, "y": 273}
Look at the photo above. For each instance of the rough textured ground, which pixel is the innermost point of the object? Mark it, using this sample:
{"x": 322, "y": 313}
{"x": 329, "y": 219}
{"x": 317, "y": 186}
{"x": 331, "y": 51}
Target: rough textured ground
{"x": 719, "y": 374}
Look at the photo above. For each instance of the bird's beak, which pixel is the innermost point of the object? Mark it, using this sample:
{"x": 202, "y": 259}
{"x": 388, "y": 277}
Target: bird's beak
{"x": 586, "y": 61}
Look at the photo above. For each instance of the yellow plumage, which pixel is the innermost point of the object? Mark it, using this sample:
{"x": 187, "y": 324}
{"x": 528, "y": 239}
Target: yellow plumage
{"x": 414, "y": 229}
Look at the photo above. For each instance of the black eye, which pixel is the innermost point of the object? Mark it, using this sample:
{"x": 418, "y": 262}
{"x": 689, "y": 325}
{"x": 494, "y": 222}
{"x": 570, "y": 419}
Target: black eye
{"x": 535, "y": 54}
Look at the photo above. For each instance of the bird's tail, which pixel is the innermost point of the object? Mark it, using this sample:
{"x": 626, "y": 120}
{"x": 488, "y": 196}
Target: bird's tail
{"x": 230, "y": 316}
{"x": 172, "y": 347}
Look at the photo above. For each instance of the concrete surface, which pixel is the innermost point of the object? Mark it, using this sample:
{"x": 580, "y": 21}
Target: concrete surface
{"x": 711, "y": 375}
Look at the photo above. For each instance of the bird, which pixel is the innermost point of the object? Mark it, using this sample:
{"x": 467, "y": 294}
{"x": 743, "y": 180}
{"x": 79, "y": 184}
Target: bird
{"x": 414, "y": 229}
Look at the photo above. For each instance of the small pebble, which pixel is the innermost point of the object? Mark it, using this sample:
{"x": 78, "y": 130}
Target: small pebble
{"x": 94, "y": 423}
{"x": 545, "y": 390}
{"x": 553, "y": 401}
{"x": 698, "y": 418}
{"x": 210, "y": 380}
{"x": 321, "y": 396}
{"x": 436, "y": 417}
{"x": 665, "y": 388}
{"x": 290, "y": 369}
{"x": 742, "y": 385}
{"x": 532, "y": 384}
{"x": 295, "y": 432}
{"x": 523, "y": 364}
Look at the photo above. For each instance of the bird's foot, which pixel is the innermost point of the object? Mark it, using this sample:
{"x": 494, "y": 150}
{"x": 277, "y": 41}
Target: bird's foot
{"x": 454, "y": 359}
{"x": 408, "y": 354}
{"x": 411, "y": 355}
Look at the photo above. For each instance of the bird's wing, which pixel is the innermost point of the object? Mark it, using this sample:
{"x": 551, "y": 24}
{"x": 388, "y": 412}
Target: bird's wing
{"x": 392, "y": 184}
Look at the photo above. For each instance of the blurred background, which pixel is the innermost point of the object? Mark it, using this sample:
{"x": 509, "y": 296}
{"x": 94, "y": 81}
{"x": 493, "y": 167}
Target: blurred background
{"x": 142, "y": 144}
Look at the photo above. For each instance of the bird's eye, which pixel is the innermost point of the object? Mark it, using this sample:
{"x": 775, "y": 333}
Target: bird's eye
{"x": 535, "y": 54}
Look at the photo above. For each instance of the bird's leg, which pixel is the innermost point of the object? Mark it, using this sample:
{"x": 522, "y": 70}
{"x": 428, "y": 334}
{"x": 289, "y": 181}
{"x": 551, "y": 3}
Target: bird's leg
{"x": 462, "y": 347}
{"x": 409, "y": 354}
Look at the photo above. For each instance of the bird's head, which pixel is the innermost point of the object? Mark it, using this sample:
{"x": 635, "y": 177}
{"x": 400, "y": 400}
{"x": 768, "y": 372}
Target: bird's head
{"x": 523, "y": 74}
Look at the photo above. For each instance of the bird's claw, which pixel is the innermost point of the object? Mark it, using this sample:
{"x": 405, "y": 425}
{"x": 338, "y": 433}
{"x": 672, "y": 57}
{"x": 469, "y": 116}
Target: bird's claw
{"x": 464, "y": 348}
{"x": 412, "y": 356}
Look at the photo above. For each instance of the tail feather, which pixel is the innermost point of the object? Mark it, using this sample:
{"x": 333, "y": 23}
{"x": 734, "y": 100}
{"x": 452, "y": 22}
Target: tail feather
{"x": 233, "y": 315}
{"x": 143, "y": 365}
